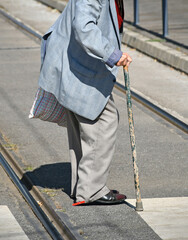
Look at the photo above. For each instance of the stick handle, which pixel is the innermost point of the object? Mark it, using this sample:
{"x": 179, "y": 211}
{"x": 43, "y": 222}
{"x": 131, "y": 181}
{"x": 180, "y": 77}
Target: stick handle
{"x": 126, "y": 69}
{"x": 139, "y": 205}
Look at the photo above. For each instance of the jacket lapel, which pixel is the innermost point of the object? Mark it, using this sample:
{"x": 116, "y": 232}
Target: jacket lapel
{"x": 113, "y": 14}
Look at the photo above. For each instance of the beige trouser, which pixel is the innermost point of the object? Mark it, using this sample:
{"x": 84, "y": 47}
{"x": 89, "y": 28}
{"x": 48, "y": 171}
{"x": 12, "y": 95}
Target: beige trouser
{"x": 91, "y": 145}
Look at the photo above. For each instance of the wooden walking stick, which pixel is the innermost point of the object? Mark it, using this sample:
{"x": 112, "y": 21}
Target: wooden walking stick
{"x": 139, "y": 205}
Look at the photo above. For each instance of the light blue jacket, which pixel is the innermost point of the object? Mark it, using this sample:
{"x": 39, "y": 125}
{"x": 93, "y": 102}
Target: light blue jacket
{"x": 78, "y": 54}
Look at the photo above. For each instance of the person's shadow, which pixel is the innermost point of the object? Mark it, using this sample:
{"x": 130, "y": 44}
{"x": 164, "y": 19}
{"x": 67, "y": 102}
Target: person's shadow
{"x": 53, "y": 176}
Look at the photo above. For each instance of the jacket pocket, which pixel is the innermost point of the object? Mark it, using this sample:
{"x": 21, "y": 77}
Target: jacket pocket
{"x": 76, "y": 67}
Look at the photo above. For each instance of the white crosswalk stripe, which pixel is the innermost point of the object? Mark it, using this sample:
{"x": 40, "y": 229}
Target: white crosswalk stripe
{"x": 168, "y": 217}
{"x": 9, "y": 227}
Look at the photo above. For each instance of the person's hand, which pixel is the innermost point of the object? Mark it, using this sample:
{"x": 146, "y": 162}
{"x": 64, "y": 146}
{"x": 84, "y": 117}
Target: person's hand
{"x": 125, "y": 60}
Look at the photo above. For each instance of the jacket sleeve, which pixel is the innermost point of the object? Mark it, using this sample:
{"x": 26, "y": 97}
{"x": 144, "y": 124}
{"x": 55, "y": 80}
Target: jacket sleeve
{"x": 88, "y": 34}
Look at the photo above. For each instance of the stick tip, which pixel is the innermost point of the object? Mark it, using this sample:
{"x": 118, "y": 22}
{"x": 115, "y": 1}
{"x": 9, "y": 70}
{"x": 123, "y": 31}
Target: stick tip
{"x": 139, "y": 206}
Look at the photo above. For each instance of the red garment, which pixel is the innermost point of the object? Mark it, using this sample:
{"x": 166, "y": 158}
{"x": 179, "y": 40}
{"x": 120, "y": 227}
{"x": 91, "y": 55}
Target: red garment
{"x": 119, "y": 15}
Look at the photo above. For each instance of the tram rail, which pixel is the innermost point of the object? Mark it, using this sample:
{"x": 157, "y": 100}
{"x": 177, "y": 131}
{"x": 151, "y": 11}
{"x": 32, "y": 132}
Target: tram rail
{"x": 56, "y": 228}
{"x": 142, "y": 100}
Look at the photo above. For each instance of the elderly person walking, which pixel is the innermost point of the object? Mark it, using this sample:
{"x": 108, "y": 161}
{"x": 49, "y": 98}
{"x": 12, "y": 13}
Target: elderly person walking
{"x": 80, "y": 55}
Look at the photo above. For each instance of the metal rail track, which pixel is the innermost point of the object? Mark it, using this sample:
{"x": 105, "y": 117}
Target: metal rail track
{"x": 148, "y": 104}
{"x": 30, "y": 200}
{"x": 56, "y": 228}
{"x": 156, "y": 109}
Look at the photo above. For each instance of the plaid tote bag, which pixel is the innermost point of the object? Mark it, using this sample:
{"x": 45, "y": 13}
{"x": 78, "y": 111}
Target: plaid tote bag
{"x": 47, "y": 108}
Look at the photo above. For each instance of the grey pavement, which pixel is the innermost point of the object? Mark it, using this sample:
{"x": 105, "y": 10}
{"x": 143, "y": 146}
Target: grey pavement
{"x": 43, "y": 150}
